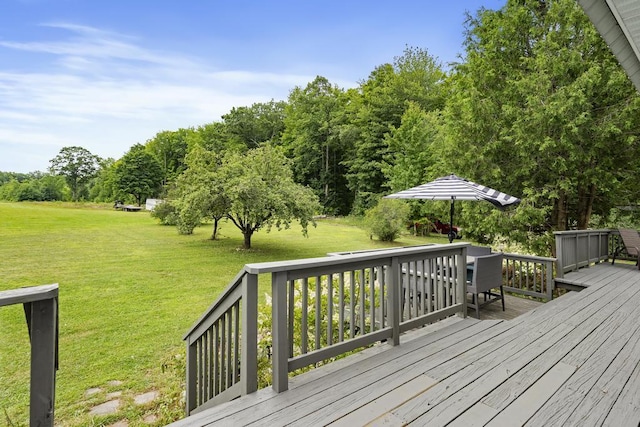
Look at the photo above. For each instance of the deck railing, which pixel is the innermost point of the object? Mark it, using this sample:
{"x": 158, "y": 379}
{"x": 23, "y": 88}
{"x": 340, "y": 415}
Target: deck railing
{"x": 528, "y": 275}
{"x": 221, "y": 347}
{"x": 576, "y": 249}
{"x": 321, "y": 308}
{"x": 41, "y": 311}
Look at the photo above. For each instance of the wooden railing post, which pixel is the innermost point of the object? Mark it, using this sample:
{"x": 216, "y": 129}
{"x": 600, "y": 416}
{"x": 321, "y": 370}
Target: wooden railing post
{"x": 249, "y": 336}
{"x": 560, "y": 262}
{"x": 550, "y": 282}
{"x": 192, "y": 382}
{"x": 41, "y": 311}
{"x": 279, "y": 332}
{"x": 43, "y": 361}
{"x": 394, "y": 283}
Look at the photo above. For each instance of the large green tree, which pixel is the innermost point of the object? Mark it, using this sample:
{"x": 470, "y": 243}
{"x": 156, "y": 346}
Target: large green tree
{"x": 103, "y": 186}
{"x": 541, "y": 109}
{"x": 411, "y": 148}
{"x": 255, "y": 190}
{"x": 138, "y": 174}
{"x": 377, "y": 107}
{"x": 412, "y": 158}
{"x": 170, "y": 148}
{"x": 199, "y": 191}
{"x": 216, "y": 137}
{"x": 312, "y": 137}
{"x": 250, "y": 127}
{"x": 262, "y": 192}
{"x": 77, "y": 165}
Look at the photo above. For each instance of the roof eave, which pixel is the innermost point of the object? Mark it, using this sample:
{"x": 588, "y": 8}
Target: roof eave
{"x": 610, "y": 24}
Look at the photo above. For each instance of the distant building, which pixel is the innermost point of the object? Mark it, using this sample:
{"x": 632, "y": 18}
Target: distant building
{"x": 150, "y": 204}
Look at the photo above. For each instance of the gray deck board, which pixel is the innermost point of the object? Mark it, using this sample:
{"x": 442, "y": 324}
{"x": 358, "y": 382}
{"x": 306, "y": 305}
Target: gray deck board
{"x": 604, "y": 322}
{"x": 626, "y": 410}
{"x": 572, "y": 361}
{"x": 371, "y": 380}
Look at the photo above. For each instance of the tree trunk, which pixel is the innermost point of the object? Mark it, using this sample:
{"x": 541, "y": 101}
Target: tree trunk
{"x": 247, "y": 238}
{"x": 214, "y": 236}
{"x": 326, "y": 174}
{"x": 585, "y": 206}
{"x": 561, "y": 212}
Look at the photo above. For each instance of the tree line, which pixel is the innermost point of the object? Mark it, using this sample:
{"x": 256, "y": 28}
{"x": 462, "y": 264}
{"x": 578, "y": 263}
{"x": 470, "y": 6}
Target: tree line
{"x": 538, "y": 107}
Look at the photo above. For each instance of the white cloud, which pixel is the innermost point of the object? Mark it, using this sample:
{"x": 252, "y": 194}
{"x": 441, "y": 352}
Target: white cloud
{"x": 105, "y": 93}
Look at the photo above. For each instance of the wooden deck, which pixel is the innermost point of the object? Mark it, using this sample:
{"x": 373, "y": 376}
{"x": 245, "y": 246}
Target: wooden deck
{"x": 572, "y": 361}
{"x": 514, "y": 307}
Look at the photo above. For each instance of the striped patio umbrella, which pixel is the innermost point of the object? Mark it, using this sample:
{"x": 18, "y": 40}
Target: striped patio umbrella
{"x": 454, "y": 188}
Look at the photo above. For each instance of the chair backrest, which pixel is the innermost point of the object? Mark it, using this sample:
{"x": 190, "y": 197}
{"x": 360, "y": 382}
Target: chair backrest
{"x": 487, "y": 272}
{"x": 478, "y": 250}
{"x": 631, "y": 240}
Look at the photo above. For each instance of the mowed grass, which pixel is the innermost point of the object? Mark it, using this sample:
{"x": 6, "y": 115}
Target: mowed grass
{"x": 129, "y": 290}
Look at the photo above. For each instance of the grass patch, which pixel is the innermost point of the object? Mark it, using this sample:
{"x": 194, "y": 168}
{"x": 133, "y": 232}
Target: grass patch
{"x": 129, "y": 290}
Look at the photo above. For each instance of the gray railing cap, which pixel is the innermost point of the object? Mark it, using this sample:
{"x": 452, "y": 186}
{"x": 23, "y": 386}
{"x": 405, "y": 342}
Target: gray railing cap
{"x": 274, "y": 267}
{"x": 28, "y": 294}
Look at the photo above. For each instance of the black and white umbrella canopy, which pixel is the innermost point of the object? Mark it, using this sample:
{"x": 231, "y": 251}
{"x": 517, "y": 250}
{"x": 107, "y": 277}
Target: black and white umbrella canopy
{"x": 454, "y": 188}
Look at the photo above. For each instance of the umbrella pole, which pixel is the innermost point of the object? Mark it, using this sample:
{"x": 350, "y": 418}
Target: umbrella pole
{"x": 451, "y": 220}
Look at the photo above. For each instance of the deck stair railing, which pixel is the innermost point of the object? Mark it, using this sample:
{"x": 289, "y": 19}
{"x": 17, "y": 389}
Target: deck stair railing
{"x": 321, "y": 308}
{"x": 221, "y": 347}
{"x": 40, "y": 305}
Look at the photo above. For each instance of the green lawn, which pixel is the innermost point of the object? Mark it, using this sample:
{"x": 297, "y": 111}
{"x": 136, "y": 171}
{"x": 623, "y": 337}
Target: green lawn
{"x": 129, "y": 289}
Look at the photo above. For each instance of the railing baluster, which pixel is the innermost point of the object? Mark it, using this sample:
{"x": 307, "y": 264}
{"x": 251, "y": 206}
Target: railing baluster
{"x": 329, "y": 309}
{"x": 291, "y": 316}
{"x": 216, "y": 361}
{"x": 304, "y": 327}
{"x": 381, "y": 289}
{"x": 372, "y": 300}
{"x": 230, "y": 361}
{"x": 352, "y": 303}
{"x": 205, "y": 367}
{"x": 341, "y": 307}
{"x": 430, "y": 284}
{"x": 318, "y": 311}
{"x": 236, "y": 344}
{"x": 200, "y": 372}
{"x": 448, "y": 281}
{"x": 223, "y": 352}
{"x": 362, "y": 306}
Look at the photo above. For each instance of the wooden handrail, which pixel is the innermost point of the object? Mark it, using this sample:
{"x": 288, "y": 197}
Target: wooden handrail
{"x": 346, "y": 302}
{"x": 41, "y": 312}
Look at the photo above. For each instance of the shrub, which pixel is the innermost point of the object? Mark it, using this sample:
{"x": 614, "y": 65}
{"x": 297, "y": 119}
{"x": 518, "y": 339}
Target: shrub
{"x": 166, "y": 213}
{"x": 188, "y": 220}
{"x": 387, "y": 219}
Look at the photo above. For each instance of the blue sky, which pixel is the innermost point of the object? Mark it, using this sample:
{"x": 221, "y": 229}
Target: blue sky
{"x": 107, "y": 74}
